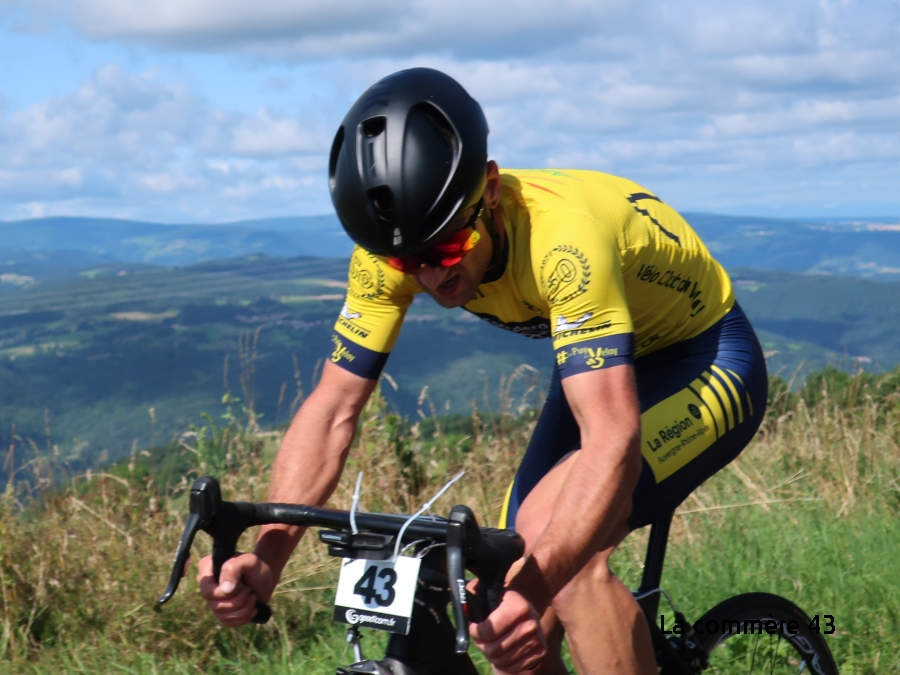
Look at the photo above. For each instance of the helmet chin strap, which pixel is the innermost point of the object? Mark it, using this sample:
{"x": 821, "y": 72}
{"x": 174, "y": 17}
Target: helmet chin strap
{"x": 499, "y": 250}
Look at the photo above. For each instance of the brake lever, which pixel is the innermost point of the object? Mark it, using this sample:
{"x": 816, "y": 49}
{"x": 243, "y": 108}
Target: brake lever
{"x": 462, "y": 541}
{"x": 203, "y": 504}
{"x": 181, "y": 557}
{"x": 224, "y": 522}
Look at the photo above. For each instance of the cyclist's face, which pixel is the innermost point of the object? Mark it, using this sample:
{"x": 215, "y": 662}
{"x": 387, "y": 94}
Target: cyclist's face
{"x": 455, "y": 286}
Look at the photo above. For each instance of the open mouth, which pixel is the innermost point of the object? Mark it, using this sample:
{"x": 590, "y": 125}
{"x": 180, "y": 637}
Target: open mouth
{"x": 449, "y": 287}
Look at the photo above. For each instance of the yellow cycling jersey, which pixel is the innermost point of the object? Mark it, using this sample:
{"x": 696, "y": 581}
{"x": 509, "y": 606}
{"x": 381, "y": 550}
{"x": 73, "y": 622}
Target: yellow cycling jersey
{"x": 593, "y": 261}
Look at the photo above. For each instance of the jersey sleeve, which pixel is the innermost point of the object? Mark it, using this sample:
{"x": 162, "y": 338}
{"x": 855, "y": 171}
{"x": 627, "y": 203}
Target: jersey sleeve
{"x": 370, "y": 320}
{"x": 579, "y": 268}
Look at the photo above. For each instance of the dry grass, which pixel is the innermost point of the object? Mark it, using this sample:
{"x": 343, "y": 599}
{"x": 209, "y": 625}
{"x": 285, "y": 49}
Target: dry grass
{"x": 81, "y": 564}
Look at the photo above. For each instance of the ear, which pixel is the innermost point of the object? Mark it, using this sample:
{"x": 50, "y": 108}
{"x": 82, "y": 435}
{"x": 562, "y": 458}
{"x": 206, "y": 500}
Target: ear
{"x": 493, "y": 187}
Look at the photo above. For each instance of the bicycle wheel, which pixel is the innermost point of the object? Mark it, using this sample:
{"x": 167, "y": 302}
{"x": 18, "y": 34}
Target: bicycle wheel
{"x": 762, "y": 633}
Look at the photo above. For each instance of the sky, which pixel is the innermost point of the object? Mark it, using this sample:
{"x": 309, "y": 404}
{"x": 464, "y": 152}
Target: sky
{"x": 204, "y": 111}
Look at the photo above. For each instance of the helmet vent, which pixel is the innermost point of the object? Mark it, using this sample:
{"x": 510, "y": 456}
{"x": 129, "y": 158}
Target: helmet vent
{"x": 335, "y": 153}
{"x": 382, "y": 199}
{"x": 441, "y": 123}
{"x": 373, "y": 126}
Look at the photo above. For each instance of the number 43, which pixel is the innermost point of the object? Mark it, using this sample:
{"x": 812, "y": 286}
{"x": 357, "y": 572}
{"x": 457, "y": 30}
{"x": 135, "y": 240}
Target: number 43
{"x": 367, "y": 588}
{"x": 829, "y": 624}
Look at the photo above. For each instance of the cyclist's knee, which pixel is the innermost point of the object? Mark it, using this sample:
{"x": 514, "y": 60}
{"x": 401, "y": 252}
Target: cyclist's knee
{"x": 534, "y": 513}
{"x": 595, "y": 573}
{"x": 530, "y": 528}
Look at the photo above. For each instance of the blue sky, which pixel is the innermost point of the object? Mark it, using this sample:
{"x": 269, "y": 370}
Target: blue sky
{"x": 220, "y": 110}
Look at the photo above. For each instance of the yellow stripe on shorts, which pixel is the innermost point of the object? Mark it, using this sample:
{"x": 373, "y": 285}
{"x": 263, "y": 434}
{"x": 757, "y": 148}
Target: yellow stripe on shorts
{"x": 504, "y": 512}
{"x": 733, "y": 390}
{"x": 723, "y": 397}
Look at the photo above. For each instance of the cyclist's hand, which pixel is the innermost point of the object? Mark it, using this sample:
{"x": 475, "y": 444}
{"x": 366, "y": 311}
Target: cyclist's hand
{"x": 511, "y": 637}
{"x": 243, "y": 580}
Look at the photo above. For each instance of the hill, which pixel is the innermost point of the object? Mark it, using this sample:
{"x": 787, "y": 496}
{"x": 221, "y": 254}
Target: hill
{"x": 821, "y": 318}
{"x": 135, "y": 241}
{"x": 97, "y": 363}
{"x": 94, "y": 365}
{"x": 866, "y": 248}
{"x": 803, "y": 513}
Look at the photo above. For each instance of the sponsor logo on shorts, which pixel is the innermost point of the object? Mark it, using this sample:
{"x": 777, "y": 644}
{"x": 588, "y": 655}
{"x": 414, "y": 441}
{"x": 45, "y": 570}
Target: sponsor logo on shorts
{"x": 675, "y": 431}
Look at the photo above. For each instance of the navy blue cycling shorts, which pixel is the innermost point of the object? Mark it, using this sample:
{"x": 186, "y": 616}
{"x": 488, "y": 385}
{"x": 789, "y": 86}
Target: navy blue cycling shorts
{"x": 701, "y": 400}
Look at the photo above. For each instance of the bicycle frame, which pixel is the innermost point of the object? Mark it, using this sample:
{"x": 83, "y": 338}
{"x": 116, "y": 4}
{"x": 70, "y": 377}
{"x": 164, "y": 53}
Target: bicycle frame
{"x": 679, "y": 656}
{"x": 428, "y": 649}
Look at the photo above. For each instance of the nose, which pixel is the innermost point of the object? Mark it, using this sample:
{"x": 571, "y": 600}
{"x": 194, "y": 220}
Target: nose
{"x": 432, "y": 277}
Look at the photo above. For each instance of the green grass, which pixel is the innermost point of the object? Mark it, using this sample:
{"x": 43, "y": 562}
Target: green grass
{"x": 808, "y": 511}
{"x": 824, "y": 564}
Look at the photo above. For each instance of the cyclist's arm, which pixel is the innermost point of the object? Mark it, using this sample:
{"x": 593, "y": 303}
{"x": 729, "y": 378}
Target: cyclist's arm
{"x": 579, "y": 265}
{"x": 306, "y": 471}
{"x": 596, "y": 495}
{"x": 312, "y": 455}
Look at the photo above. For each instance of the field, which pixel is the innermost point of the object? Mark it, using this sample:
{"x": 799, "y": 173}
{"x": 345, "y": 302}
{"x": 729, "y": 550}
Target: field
{"x": 805, "y": 512}
{"x": 96, "y": 365}
{"x": 129, "y": 355}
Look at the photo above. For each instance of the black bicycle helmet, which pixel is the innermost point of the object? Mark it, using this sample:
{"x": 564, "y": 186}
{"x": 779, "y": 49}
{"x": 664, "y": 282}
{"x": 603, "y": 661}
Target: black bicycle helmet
{"x": 409, "y": 156}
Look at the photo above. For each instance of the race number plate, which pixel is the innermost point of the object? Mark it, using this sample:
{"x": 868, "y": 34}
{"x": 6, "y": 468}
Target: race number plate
{"x": 377, "y": 594}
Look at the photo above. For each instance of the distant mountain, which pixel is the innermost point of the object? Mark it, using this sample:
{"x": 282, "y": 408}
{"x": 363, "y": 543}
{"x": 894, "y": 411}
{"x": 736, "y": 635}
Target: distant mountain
{"x": 822, "y": 319}
{"x": 177, "y": 245}
{"x": 866, "y": 248}
{"x": 21, "y": 269}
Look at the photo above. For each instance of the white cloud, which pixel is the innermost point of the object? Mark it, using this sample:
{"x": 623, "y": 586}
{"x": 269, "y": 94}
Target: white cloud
{"x": 262, "y": 134}
{"x": 729, "y": 94}
{"x": 352, "y": 27}
{"x": 120, "y": 141}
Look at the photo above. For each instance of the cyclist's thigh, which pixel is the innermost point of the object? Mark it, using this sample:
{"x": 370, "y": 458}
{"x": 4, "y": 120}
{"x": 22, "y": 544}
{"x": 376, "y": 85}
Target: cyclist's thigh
{"x": 555, "y": 435}
{"x": 702, "y": 401}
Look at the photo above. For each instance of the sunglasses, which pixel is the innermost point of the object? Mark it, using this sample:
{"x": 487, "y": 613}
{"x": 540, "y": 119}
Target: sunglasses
{"x": 447, "y": 253}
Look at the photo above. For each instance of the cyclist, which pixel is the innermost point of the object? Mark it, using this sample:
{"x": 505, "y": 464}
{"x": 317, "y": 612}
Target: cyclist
{"x": 659, "y": 379}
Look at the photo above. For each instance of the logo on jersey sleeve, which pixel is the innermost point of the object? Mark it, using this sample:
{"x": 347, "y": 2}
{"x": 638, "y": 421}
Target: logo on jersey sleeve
{"x": 595, "y": 353}
{"x": 563, "y": 324}
{"x": 346, "y": 320}
{"x": 565, "y": 273}
{"x": 347, "y": 314}
{"x": 366, "y": 276}
{"x": 340, "y": 351}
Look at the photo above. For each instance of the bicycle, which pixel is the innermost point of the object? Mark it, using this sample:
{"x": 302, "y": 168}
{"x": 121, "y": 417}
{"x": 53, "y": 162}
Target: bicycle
{"x": 410, "y": 599}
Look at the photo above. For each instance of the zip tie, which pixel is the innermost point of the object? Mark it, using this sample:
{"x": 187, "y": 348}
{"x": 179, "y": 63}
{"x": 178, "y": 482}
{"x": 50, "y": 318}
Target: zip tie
{"x": 420, "y": 512}
{"x": 355, "y": 503}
